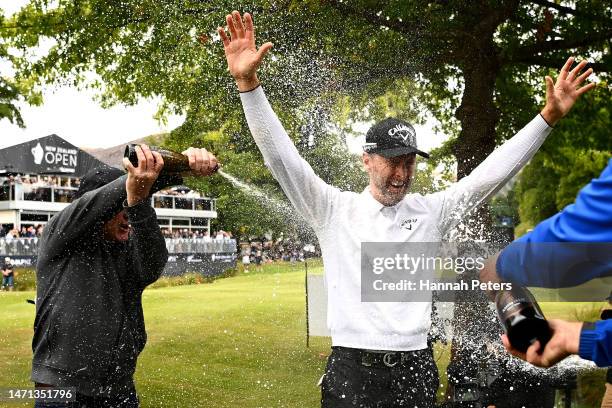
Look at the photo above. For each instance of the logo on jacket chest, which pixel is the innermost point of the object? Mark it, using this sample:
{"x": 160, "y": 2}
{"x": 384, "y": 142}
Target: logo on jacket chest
{"x": 408, "y": 223}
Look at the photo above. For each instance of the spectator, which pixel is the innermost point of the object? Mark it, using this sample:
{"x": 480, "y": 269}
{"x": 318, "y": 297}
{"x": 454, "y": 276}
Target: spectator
{"x": 258, "y": 260}
{"x": 8, "y": 275}
{"x": 246, "y": 261}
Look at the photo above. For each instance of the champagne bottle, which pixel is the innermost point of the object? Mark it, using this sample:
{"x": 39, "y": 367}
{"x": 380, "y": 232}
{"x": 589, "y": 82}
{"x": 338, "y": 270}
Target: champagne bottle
{"x": 173, "y": 162}
{"x": 522, "y": 319}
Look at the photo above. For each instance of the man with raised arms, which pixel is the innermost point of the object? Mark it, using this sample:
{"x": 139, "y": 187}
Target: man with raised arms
{"x": 380, "y": 355}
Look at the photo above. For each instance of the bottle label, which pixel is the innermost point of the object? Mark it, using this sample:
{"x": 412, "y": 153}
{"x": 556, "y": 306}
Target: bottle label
{"x": 516, "y": 302}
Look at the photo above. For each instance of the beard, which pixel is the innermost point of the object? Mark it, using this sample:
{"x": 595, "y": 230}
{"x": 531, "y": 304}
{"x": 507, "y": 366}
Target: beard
{"x": 390, "y": 194}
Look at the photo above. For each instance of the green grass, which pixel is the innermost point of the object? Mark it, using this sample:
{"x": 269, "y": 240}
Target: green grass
{"x": 238, "y": 341}
{"x": 232, "y": 342}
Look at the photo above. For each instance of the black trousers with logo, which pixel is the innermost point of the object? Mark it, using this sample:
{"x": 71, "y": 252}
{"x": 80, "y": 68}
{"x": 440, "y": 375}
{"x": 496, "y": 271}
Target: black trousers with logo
{"x": 355, "y": 378}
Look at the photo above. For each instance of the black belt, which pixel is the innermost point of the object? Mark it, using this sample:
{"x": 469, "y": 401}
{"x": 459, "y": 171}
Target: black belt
{"x": 381, "y": 358}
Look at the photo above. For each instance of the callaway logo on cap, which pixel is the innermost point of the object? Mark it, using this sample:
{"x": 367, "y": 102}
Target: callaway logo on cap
{"x": 392, "y": 137}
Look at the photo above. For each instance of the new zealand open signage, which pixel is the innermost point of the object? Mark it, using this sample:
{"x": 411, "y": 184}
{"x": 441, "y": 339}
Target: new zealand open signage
{"x": 47, "y": 155}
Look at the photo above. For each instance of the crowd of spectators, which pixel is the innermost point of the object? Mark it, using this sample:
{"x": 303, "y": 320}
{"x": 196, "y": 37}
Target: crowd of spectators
{"x": 255, "y": 251}
{"x": 35, "y": 231}
{"x": 38, "y": 187}
{"x": 29, "y": 231}
{"x": 260, "y": 251}
{"x": 198, "y": 241}
{"x": 40, "y": 181}
{"x": 180, "y": 191}
{"x": 182, "y": 198}
{"x": 23, "y": 241}
{"x": 196, "y": 234}
{"x": 30, "y": 183}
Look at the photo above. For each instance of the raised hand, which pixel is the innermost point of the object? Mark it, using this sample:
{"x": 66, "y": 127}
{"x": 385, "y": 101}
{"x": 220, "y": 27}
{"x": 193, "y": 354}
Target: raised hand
{"x": 140, "y": 179}
{"x": 243, "y": 57}
{"x": 561, "y": 95}
{"x": 201, "y": 162}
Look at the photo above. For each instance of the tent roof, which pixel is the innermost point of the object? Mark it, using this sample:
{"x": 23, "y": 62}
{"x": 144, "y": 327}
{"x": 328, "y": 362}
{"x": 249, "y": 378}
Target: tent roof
{"x": 47, "y": 155}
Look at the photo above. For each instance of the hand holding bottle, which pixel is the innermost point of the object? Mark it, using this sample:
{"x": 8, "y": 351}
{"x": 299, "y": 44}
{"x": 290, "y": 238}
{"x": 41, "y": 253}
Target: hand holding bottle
{"x": 565, "y": 341}
{"x": 521, "y": 317}
{"x": 191, "y": 162}
{"x": 201, "y": 161}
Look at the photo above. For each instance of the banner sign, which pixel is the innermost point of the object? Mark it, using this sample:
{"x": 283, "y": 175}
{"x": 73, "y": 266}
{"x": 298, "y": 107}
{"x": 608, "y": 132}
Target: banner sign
{"x": 47, "y": 155}
{"x": 205, "y": 264}
{"x": 20, "y": 261}
{"x": 178, "y": 264}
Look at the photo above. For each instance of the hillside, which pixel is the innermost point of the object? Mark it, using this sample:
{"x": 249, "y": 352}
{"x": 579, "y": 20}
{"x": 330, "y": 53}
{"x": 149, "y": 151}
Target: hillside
{"x": 114, "y": 155}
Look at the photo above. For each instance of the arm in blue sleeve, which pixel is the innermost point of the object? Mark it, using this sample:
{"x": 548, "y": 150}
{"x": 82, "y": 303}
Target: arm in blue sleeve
{"x": 554, "y": 264}
{"x": 558, "y": 264}
{"x": 596, "y": 342}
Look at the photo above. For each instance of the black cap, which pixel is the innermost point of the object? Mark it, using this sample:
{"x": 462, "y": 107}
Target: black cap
{"x": 96, "y": 178}
{"x": 392, "y": 137}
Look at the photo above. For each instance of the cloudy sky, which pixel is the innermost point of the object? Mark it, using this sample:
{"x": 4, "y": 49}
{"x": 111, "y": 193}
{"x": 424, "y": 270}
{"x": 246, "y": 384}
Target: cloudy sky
{"x": 75, "y": 116}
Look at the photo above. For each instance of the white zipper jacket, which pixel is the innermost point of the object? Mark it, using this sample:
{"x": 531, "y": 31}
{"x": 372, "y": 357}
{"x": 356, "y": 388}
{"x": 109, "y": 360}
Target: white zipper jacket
{"x": 343, "y": 220}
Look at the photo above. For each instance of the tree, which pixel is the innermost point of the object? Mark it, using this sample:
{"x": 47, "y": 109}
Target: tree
{"x": 576, "y": 152}
{"x": 9, "y": 93}
{"x": 474, "y": 64}
{"x": 8, "y": 96}
{"x": 13, "y": 90}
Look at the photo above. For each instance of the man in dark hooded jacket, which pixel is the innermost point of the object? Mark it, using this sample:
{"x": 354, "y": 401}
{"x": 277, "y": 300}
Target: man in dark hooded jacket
{"x": 95, "y": 259}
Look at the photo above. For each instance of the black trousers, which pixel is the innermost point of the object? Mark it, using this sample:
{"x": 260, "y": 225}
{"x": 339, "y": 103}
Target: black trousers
{"x": 353, "y": 381}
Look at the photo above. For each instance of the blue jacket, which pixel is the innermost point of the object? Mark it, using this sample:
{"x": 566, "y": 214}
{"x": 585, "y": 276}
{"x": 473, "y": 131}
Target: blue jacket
{"x": 596, "y": 342}
{"x": 577, "y": 239}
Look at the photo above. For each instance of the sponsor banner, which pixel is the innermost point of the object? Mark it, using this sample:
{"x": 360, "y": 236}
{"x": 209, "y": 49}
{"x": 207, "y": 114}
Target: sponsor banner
{"x": 178, "y": 264}
{"x": 205, "y": 264}
{"x": 20, "y": 261}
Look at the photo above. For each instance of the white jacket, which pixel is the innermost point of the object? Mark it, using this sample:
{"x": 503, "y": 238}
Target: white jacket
{"x": 343, "y": 220}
